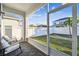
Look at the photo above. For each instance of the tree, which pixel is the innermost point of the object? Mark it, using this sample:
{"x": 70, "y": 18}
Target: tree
{"x": 68, "y": 23}
{"x": 31, "y": 25}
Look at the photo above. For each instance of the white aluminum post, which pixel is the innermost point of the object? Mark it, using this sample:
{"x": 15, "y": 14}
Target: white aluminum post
{"x": 0, "y": 22}
{"x": 1, "y": 14}
{"x": 48, "y": 34}
{"x": 74, "y": 30}
{"x": 24, "y": 22}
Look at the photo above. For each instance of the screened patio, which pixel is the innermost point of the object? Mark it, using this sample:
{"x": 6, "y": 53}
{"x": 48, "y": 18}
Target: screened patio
{"x": 41, "y": 39}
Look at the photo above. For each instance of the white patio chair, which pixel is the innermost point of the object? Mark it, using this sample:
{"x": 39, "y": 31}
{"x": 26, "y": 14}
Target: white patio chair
{"x": 8, "y": 47}
{"x": 10, "y": 40}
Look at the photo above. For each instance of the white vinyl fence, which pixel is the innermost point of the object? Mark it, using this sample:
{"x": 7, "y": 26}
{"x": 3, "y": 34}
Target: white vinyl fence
{"x": 43, "y": 31}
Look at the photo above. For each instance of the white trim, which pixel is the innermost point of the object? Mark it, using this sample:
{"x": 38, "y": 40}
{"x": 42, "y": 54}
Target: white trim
{"x": 10, "y": 18}
{"x": 74, "y": 30}
{"x": 24, "y": 25}
{"x": 1, "y": 20}
{"x": 48, "y": 35}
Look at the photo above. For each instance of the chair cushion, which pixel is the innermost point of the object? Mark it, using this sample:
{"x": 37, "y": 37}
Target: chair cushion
{"x": 6, "y": 38}
{"x": 11, "y": 48}
{"x": 4, "y": 43}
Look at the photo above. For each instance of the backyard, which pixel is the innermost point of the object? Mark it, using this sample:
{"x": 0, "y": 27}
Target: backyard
{"x": 59, "y": 42}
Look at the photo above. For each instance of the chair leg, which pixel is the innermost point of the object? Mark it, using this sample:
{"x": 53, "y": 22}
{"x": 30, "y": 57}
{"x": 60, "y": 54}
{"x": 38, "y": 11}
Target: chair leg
{"x": 20, "y": 49}
{"x": 3, "y": 51}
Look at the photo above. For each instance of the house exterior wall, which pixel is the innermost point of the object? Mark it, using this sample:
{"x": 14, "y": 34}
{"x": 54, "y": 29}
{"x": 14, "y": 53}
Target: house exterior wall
{"x": 16, "y": 29}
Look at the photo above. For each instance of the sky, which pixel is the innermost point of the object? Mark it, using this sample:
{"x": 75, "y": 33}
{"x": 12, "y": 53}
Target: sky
{"x": 40, "y": 16}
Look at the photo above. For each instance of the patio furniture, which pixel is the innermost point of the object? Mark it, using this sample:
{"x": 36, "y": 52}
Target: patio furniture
{"x": 10, "y": 40}
{"x": 1, "y": 49}
{"x": 8, "y": 47}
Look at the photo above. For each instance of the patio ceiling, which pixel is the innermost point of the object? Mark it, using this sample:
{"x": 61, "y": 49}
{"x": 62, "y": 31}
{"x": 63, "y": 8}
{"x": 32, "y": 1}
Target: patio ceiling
{"x": 28, "y": 8}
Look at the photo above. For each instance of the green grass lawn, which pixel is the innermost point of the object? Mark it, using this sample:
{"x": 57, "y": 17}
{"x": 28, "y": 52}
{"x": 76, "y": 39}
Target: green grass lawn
{"x": 59, "y": 44}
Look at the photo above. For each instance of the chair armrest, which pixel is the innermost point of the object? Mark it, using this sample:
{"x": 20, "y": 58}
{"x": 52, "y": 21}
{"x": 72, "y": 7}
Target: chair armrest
{"x": 11, "y": 48}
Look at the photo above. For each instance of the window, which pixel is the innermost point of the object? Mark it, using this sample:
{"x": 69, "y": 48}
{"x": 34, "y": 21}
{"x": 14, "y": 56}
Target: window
{"x": 8, "y": 31}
